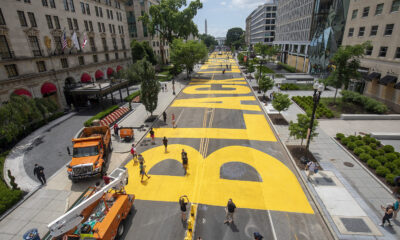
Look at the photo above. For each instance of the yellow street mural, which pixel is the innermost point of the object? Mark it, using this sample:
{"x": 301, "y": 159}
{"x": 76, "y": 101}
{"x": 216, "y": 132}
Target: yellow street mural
{"x": 229, "y": 89}
{"x": 218, "y": 102}
{"x": 278, "y": 190}
{"x": 223, "y": 81}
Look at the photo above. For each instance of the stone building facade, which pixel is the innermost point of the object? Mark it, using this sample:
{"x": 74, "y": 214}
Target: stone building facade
{"x": 260, "y": 24}
{"x": 39, "y": 54}
{"x": 377, "y": 22}
{"x": 138, "y": 31}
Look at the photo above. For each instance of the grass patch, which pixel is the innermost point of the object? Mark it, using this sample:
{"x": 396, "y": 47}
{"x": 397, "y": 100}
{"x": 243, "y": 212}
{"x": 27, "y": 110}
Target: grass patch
{"x": 101, "y": 115}
{"x": 8, "y": 197}
{"x": 132, "y": 96}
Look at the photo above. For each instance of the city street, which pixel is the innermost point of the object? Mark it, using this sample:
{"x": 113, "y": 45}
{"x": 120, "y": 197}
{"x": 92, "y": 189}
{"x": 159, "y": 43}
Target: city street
{"x": 233, "y": 153}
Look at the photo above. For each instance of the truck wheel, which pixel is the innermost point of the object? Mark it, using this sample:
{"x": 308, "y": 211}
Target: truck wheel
{"x": 110, "y": 148}
{"x": 121, "y": 229}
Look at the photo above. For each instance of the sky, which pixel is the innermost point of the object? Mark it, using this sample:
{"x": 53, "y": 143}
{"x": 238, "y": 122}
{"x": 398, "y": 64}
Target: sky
{"x": 222, "y": 15}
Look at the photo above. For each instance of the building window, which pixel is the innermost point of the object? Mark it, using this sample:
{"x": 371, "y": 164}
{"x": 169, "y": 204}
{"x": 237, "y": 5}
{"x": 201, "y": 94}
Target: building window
{"x": 71, "y": 5}
{"x": 70, "y": 26}
{"x": 83, "y": 8}
{"x": 45, "y": 3}
{"x": 57, "y": 42}
{"x": 389, "y": 29}
{"x": 41, "y": 66}
{"x": 108, "y": 13}
{"x": 11, "y": 70}
{"x": 66, "y": 5}
{"x": 113, "y": 27}
{"x": 102, "y": 26}
{"x": 125, "y": 55}
{"x": 92, "y": 44}
{"x": 351, "y": 32}
{"x": 57, "y": 22}
{"x": 154, "y": 43}
{"x": 379, "y": 9}
{"x": 5, "y": 52}
{"x": 76, "y": 24}
{"x": 52, "y": 4}
{"x": 87, "y": 9}
{"x": 81, "y": 60}
{"x": 86, "y": 25}
{"x": 395, "y": 6}
{"x": 383, "y": 51}
{"x": 96, "y": 9}
{"x": 397, "y": 54}
{"x": 115, "y": 44}
{"x": 109, "y": 26}
{"x": 32, "y": 19}
{"x": 116, "y": 56}
{"x": 22, "y": 19}
{"x": 361, "y": 31}
{"x": 354, "y": 14}
{"x": 123, "y": 43}
{"x": 95, "y": 59}
{"x": 374, "y": 30}
{"x": 368, "y": 51}
{"x": 365, "y": 12}
{"x": 91, "y": 26}
{"x": 107, "y": 57}
{"x": 49, "y": 22}
{"x": 33, "y": 41}
{"x": 99, "y": 26}
{"x": 64, "y": 63}
{"x": 105, "y": 48}
{"x": 101, "y": 12}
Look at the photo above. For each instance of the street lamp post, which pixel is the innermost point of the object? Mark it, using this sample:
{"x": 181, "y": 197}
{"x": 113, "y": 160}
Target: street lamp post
{"x": 318, "y": 89}
{"x": 173, "y": 86}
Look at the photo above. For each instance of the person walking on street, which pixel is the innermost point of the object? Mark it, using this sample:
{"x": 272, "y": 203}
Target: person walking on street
{"x": 173, "y": 121}
{"x": 396, "y": 207}
{"x": 153, "y": 141}
{"x": 311, "y": 167}
{"x": 143, "y": 173}
{"x": 257, "y": 236}
{"x": 182, "y": 205}
{"x": 185, "y": 160}
{"x": 116, "y": 130}
{"x": 388, "y": 215}
{"x": 134, "y": 154}
{"x": 397, "y": 185}
{"x": 140, "y": 159}
{"x": 230, "y": 210}
{"x": 165, "y": 142}
{"x": 38, "y": 171}
{"x": 227, "y": 66}
{"x": 106, "y": 179}
{"x": 164, "y": 115}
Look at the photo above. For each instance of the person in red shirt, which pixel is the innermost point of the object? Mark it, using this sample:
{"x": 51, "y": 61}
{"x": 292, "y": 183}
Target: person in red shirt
{"x": 106, "y": 179}
{"x": 134, "y": 154}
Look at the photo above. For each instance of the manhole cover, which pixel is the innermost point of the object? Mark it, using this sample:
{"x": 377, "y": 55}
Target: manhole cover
{"x": 348, "y": 164}
{"x": 355, "y": 225}
{"x": 324, "y": 181}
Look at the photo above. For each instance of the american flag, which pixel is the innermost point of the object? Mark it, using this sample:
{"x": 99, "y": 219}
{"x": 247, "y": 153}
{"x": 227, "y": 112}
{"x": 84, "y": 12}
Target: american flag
{"x": 64, "y": 41}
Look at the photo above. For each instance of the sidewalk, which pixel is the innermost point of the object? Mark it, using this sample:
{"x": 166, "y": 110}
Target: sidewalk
{"x": 350, "y": 196}
{"x": 45, "y": 204}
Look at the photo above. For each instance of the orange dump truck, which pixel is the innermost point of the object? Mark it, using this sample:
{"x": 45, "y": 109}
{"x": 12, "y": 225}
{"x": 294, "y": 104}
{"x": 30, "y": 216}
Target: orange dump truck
{"x": 90, "y": 151}
{"x": 100, "y": 215}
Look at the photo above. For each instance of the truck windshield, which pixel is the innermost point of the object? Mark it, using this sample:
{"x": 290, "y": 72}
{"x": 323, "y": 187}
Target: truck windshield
{"x": 86, "y": 151}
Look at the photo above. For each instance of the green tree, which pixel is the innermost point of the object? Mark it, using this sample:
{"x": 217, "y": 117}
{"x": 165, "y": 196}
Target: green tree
{"x": 299, "y": 130}
{"x": 235, "y": 38}
{"x": 141, "y": 50}
{"x": 264, "y": 51}
{"x": 187, "y": 54}
{"x": 264, "y": 84}
{"x": 281, "y": 102}
{"x": 149, "y": 87}
{"x": 209, "y": 41}
{"x": 170, "y": 20}
{"x": 347, "y": 62}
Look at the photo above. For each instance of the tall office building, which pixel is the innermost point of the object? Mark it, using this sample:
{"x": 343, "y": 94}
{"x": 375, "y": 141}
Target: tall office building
{"x": 309, "y": 32}
{"x": 138, "y": 30}
{"x": 377, "y": 22}
{"x": 260, "y": 24}
{"x": 47, "y": 47}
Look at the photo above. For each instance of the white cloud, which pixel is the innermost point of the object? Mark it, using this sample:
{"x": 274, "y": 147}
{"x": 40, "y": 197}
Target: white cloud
{"x": 223, "y": 3}
{"x": 248, "y": 3}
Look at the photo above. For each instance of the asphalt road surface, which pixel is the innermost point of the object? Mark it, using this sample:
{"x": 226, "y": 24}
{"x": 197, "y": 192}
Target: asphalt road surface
{"x": 233, "y": 153}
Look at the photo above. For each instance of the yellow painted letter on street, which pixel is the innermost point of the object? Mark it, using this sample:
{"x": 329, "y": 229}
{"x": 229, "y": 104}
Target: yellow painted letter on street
{"x": 222, "y": 81}
{"x": 218, "y": 102}
{"x": 230, "y": 89}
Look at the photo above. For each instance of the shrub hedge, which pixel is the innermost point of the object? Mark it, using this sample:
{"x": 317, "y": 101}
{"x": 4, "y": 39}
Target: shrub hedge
{"x": 369, "y": 104}
{"x": 306, "y": 103}
{"x": 101, "y": 115}
{"x": 383, "y": 159}
{"x": 8, "y": 197}
{"x": 132, "y": 96}
{"x": 287, "y": 67}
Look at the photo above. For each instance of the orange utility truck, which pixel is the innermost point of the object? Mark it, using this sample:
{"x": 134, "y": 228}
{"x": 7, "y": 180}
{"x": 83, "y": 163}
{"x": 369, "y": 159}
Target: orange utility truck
{"x": 101, "y": 216}
{"x": 90, "y": 151}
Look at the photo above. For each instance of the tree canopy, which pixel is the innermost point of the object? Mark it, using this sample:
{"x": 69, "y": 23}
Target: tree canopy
{"x": 142, "y": 50}
{"x": 299, "y": 130}
{"x": 281, "y": 102}
{"x": 265, "y": 83}
{"x": 187, "y": 54}
{"x": 235, "y": 37}
{"x": 208, "y": 40}
{"x": 264, "y": 50}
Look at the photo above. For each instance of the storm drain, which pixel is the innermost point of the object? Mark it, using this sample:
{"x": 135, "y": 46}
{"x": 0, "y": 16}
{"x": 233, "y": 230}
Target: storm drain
{"x": 357, "y": 225}
{"x": 324, "y": 181}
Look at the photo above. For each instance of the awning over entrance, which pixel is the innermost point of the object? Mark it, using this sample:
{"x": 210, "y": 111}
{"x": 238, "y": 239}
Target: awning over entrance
{"x": 86, "y": 78}
{"x": 98, "y": 74}
{"x": 110, "y": 71}
{"x": 119, "y": 68}
{"x": 387, "y": 80}
{"x": 48, "y": 88}
{"x": 373, "y": 76}
{"x": 22, "y": 91}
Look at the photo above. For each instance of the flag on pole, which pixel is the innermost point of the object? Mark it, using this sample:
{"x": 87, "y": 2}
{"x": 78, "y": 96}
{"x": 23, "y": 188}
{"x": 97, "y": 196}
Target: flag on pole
{"x": 74, "y": 39}
{"x": 64, "y": 40}
{"x": 84, "y": 40}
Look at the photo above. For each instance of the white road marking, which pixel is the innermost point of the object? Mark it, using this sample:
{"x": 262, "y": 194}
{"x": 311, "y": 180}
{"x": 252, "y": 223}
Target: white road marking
{"x": 272, "y": 225}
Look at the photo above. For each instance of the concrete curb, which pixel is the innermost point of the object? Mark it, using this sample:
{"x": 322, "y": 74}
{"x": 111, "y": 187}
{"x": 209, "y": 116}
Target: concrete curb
{"x": 319, "y": 208}
{"x": 362, "y": 166}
